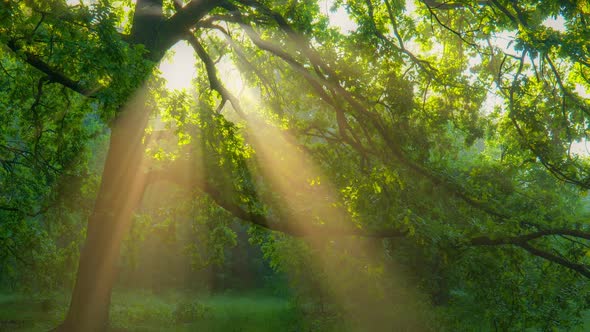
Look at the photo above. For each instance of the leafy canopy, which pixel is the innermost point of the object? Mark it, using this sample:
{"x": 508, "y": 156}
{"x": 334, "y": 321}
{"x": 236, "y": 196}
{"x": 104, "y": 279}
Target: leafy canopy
{"x": 452, "y": 129}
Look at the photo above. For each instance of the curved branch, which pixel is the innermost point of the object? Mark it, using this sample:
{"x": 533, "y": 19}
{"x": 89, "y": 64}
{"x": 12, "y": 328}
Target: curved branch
{"x": 176, "y": 27}
{"x": 580, "y": 268}
{"x": 214, "y": 81}
{"x": 522, "y": 242}
{"x": 446, "y": 5}
{"x": 330, "y": 82}
{"x": 172, "y": 174}
{"x": 53, "y": 74}
{"x": 484, "y": 240}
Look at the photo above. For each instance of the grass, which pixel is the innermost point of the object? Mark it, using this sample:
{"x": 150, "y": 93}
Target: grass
{"x": 144, "y": 311}
{"x": 24, "y": 313}
{"x": 171, "y": 311}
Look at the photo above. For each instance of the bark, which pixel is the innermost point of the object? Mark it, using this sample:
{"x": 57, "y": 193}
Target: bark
{"x": 122, "y": 187}
{"x": 124, "y": 175}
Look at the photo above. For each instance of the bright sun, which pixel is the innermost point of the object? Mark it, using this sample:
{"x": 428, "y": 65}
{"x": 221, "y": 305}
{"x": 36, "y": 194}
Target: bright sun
{"x": 179, "y": 69}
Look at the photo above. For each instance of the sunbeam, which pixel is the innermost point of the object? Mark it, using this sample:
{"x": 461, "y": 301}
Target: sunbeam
{"x": 125, "y": 167}
{"x": 377, "y": 298}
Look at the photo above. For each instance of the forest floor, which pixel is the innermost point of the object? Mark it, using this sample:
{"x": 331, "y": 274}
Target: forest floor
{"x": 145, "y": 311}
{"x": 170, "y": 311}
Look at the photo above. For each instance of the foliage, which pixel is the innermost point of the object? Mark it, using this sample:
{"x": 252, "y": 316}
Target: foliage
{"x": 145, "y": 311}
{"x": 453, "y": 152}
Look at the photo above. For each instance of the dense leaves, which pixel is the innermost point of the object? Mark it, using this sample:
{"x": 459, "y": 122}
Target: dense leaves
{"x": 447, "y": 132}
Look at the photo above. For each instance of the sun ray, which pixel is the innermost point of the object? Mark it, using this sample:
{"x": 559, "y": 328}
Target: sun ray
{"x": 307, "y": 200}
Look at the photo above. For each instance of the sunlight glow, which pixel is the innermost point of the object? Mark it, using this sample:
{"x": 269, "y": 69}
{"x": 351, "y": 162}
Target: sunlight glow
{"x": 505, "y": 41}
{"x": 303, "y": 197}
{"x": 582, "y": 91}
{"x": 309, "y": 202}
{"x": 580, "y": 148}
{"x": 555, "y": 23}
{"x": 83, "y": 2}
{"x": 232, "y": 78}
{"x": 338, "y": 18}
{"x": 179, "y": 69}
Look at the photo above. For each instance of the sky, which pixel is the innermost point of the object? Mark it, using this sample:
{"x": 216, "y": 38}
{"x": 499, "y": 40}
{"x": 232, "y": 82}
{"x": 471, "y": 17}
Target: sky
{"x": 179, "y": 68}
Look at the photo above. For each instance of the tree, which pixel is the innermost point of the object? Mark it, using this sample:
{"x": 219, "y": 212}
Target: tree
{"x": 390, "y": 125}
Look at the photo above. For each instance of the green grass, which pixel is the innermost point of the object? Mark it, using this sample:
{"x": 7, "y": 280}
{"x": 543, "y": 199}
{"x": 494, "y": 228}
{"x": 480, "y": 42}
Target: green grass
{"x": 145, "y": 311}
{"x": 585, "y": 326}
{"x": 20, "y": 312}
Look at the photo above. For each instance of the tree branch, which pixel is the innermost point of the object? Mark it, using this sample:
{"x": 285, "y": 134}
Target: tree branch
{"x": 580, "y": 268}
{"x": 214, "y": 81}
{"x": 446, "y": 5}
{"x": 522, "y": 242}
{"x": 171, "y": 174}
{"x": 53, "y": 74}
{"x": 487, "y": 241}
{"x": 176, "y": 27}
{"x": 331, "y": 82}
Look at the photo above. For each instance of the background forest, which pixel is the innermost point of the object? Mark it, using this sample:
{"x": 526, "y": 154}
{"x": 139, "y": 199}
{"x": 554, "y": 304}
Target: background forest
{"x": 347, "y": 165}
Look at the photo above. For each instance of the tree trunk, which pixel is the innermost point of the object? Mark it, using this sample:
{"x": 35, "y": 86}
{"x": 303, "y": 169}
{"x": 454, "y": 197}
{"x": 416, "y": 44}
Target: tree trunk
{"x": 124, "y": 176}
{"x": 122, "y": 187}
{"x": 121, "y": 190}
